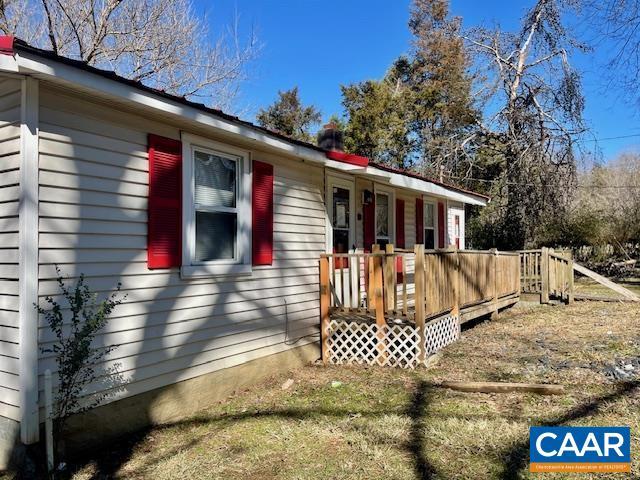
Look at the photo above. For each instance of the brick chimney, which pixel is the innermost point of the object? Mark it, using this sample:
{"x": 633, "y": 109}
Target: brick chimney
{"x": 330, "y": 138}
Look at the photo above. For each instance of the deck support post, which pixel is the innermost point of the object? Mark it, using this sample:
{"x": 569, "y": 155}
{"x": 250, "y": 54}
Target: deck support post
{"x": 493, "y": 266}
{"x": 544, "y": 274}
{"x": 420, "y": 291}
{"x": 325, "y": 299}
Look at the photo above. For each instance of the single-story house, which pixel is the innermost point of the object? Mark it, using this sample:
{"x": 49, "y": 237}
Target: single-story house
{"x": 213, "y": 225}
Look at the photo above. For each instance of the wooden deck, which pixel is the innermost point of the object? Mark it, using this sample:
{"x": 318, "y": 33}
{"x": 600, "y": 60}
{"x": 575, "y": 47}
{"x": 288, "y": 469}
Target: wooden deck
{"x": 412, "y": 293}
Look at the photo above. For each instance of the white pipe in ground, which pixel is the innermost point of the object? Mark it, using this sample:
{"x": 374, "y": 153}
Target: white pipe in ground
{"x": 48, "y": 422}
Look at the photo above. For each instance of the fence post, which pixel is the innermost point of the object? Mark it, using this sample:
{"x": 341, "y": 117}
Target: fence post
{"x": 419, "y": 299}
{"x": 390, "y": 277}
{"x": 570, "y": 280}
{"x": 544, "y": 274}
{"x": 325, "y": 299}
{"x": 494, "y": 267}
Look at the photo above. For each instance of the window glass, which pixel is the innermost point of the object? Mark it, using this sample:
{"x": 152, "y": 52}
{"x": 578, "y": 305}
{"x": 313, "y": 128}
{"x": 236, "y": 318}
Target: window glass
{"x": 216, "y": 215}
{"x": 215, "y": 180}
{"x": 429, "y": 238}
{"x": 215, "y": 236}
{"x": 340, "y": 220}
{"x": 382, "y": 215}
{"x": 429, "y": 215}
{"x": 340, "y": 207}
{"x": 429, "y": 225}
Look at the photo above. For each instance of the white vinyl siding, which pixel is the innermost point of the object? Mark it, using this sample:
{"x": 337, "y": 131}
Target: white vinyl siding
{"x": 10, "y": 98}
{"x": 93, "y": 200}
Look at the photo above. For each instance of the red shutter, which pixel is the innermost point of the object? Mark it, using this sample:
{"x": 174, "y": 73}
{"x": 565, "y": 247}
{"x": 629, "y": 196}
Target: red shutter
{"x": 400, "y": 243}
{"x": 441, "y": 224}
{"x": 262, "y": 210}
{"x": 419, "y": 221}
{"x": 400, "y": 223}
{"x": 164, "y": 229}
{"x": 369, "y": 224}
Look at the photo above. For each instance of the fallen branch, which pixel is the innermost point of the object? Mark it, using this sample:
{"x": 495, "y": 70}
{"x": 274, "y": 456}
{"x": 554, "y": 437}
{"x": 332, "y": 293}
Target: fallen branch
{"x": 622, "y": 264}
{"x": 498, "y": 387}
{"x": 598, "y": 298}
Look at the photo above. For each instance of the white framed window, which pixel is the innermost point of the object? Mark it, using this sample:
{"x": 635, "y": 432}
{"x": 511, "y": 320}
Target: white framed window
{"x": 430, "y": 233}
{"x": 341, "y": 223}
{"x": 216, "y": 208}
{"x": 384, "y": 216}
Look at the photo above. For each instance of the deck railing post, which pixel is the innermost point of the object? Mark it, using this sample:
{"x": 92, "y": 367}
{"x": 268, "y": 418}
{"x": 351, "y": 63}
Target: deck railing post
{"x": 370, "y": 289}
{"x": 419, "y": 299}
{"x": 552, "y": 266}
{"x": 390, "y": 278}
{"x": 325, "y": 299}
{"x": 378, "y": 301}
{"x": 456, "y": 283}
{"x": 544, "y": 274}
{"x": 570, "y": 280}
{"x": 493, "y": 262}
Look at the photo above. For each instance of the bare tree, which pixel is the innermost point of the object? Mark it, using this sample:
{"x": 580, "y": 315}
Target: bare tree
{"x": 533, "y": 107}
{"x": 616, "y": 24}
{"x": 161, "y": 43}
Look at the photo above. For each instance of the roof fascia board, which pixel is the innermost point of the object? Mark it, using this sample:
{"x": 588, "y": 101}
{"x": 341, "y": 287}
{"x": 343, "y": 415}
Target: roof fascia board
{"x": 31, "y": 64}
{"x": 426, "y": 188}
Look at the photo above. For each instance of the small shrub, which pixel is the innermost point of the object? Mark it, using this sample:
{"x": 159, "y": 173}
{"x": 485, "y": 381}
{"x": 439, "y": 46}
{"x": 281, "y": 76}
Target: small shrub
{"x": 75, "y": 327}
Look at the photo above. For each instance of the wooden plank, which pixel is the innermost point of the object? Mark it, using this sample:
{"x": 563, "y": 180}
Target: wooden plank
{"x": 325, "y": 301}
{"x": 493, "y": 272}
{"x": 499, "y": 387}
{"x": 455, "y": 270}
{"x": 378, "y": 291}
{"x": 405, "y": 306}
{"x": 544, "y": 274}
{"x": 419, "y": 295}
{"x": 390, "y": 278}
{"x": 606, "y": 282}
{"x": 598, "y": 298}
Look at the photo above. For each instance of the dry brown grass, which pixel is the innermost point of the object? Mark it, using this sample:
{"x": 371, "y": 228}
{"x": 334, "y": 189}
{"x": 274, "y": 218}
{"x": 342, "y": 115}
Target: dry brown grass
{"x": 389, "y": 423}
{"x": 587, "y": 286}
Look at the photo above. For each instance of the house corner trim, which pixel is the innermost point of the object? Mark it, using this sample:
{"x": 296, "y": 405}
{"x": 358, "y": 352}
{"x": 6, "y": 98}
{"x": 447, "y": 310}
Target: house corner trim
{"x": 28, "y": 261}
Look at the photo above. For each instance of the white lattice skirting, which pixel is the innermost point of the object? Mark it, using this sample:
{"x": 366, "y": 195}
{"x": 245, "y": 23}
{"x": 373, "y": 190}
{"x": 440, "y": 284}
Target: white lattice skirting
{"x": 352, "y": 342}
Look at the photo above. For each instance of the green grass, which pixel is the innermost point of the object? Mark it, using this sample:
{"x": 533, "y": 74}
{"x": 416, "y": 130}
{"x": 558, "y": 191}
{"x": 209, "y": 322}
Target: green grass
{"x": 396, "y": 424}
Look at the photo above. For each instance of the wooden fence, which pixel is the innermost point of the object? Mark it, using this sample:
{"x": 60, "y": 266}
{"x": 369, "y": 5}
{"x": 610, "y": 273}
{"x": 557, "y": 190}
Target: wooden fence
{"x": 547, "y": 273}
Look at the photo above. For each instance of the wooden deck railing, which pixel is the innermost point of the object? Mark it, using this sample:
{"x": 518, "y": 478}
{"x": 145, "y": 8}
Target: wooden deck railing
{"x": 416, "y": 286}
{"x": 392, "y": 280}
{"x": 547, "y": 273}
{"x": 460, "y": 279}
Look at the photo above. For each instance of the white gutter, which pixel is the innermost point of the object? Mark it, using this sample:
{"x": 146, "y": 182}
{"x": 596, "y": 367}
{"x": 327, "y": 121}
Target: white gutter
{"x": 58, "y": 72}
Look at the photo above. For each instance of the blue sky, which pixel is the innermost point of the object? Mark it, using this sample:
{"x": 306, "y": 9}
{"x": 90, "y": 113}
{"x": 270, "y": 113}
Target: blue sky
{"x": 321, "y": 44}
